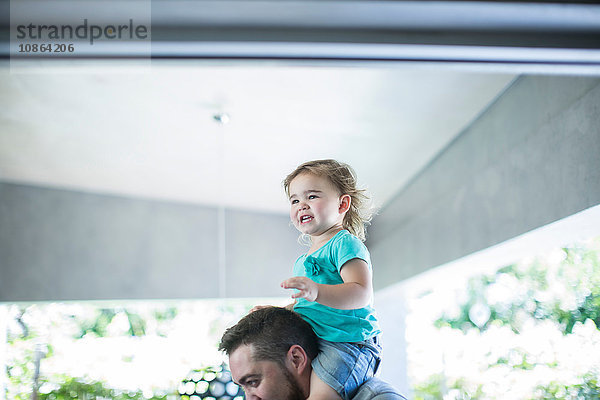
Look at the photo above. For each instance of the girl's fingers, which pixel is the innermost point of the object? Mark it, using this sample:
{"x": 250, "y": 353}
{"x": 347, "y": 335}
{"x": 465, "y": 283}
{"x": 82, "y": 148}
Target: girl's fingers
{"x": 288, "y": 283}
{"x": 304, "y": 287}
{"x": 256, "y": 308}
{"x": 299, "y": 294}
{"x": 292, "y": 284}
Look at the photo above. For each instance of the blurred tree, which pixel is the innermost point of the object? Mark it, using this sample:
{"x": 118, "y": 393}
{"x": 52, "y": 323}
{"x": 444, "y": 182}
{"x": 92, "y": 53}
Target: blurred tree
{"x": 69, "y": 388}
{"x": 98, "y": 323}
{"x": 27, "y": 336}
{"x": 566, "y": 293}
{"x": 587, "y": 389}
{"x": 430, "y": 389}
{"x": 436, "y": 387}
{"x": 563, "y": 288}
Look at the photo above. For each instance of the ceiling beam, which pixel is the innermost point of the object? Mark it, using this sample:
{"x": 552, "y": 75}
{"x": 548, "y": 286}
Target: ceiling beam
{"x": 462, "y": 31}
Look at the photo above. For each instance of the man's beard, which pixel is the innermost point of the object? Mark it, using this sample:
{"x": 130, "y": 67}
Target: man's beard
{"x": 294, "y": 391}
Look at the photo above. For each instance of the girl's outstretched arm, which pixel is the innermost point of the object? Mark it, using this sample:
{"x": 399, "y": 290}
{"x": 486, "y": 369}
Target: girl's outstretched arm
{"x": 354, "y": 293}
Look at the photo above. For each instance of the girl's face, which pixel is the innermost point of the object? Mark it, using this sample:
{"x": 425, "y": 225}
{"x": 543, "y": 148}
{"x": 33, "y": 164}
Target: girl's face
{"x": 316, "y": 206}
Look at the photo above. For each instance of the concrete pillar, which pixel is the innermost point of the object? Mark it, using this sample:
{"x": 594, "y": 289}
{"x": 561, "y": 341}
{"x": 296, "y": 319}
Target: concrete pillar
{"x": 391, "y": 311}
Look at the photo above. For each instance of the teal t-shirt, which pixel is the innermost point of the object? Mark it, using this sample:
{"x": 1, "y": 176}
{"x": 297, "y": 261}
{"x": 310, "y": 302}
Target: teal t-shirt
{"x": 323, "y": 266}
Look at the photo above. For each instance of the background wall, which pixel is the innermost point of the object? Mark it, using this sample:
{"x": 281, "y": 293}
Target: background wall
{"x": 63, "y": 245}
{"x": 531, "y": 158}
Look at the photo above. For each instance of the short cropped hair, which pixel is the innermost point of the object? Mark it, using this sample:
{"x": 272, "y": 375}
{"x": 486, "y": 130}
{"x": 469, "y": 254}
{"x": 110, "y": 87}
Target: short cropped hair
{"x": 271, "y": 331}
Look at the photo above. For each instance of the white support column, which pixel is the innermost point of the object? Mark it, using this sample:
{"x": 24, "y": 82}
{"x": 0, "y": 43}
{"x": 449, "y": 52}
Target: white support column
{"x": 391, "y": 311}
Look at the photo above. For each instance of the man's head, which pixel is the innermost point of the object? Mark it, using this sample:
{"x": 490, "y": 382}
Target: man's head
{"x": 270, "y": 351}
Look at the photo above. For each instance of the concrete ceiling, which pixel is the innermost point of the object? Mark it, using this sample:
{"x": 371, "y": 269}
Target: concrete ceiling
{"x": 134, "y": 129}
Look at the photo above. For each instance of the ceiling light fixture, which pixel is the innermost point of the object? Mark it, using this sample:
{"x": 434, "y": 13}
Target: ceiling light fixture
{"x": 221, "y": 118}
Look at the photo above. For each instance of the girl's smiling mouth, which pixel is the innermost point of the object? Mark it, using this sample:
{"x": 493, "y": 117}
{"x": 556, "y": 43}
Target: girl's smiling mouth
{"x": 305, "y": 219}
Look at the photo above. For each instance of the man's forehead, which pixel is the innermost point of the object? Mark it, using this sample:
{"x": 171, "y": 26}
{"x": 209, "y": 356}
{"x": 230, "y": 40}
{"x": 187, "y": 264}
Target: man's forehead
{"x": 242, "y": 362}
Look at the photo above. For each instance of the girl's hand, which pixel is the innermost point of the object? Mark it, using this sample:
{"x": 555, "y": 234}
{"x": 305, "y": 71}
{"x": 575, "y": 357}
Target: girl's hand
{"x": 307, "y": 288}
{"x": 256, "y": 308}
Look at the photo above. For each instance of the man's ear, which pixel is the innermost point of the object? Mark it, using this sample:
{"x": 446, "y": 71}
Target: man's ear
{"x": 345, "y": 201}
{"x": 297, "y": 359}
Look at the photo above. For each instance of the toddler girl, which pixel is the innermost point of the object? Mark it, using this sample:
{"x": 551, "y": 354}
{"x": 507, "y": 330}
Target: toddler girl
{"x": 333, "y": 281}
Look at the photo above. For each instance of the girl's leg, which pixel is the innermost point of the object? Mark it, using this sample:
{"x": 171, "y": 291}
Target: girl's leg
{"x": 319, "y": 390}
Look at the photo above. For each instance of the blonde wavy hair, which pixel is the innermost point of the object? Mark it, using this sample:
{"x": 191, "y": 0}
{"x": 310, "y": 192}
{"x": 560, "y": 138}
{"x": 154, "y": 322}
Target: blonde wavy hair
{"x": 343, "y": 178}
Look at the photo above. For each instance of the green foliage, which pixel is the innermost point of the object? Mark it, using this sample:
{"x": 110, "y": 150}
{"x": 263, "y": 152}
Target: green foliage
{"x": 30, "y": 331}
{"x": 74, "y": 388}
{"x": 587, "y": 389}
{"x": 462, "y": 390}
{"x": 20, "y": 369}
{"x": 430, "y": 389}
{"x": 98, "y": 323}
{"x": 436, "y": 387}
{"x": 566, "y": 293}
{"x": 137, "y": 325}
{"x": 560, "y": 289}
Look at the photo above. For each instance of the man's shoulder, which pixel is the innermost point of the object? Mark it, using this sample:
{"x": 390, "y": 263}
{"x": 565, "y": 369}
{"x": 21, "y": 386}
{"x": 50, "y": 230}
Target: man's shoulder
{"x": 376, "y": 389}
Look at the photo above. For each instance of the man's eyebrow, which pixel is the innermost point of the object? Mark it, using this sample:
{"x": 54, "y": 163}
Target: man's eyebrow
{"x": 244, "y": 378}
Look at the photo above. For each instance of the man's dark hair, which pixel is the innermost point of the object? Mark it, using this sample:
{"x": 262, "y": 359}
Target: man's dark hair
{"x": 271, "y": 331}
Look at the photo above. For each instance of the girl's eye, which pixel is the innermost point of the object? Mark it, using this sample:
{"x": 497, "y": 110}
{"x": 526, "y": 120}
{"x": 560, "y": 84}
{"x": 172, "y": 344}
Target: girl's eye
{"x": 312, "y": 196}
{"x": 294, "y": 201}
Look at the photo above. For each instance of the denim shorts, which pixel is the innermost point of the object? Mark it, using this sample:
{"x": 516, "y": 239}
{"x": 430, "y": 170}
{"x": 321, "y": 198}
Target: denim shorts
{"x": 346, "y": 366}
